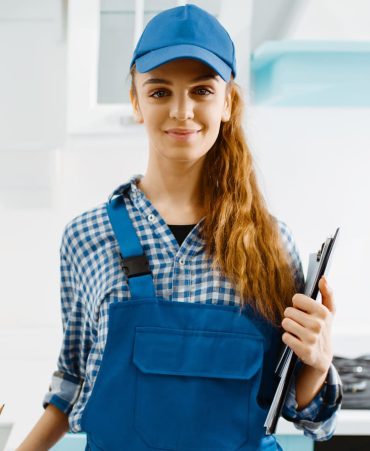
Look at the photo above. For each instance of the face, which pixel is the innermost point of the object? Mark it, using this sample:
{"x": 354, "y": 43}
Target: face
{"x": 181, "y": 104}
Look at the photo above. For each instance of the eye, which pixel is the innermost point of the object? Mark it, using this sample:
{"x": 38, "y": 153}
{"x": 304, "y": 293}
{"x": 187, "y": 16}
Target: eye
{"x": 204, "y": 90}
{"x": 159, "y": 91}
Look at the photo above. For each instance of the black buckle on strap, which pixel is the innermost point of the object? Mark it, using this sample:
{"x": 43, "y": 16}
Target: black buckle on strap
{"x": 137, "y": 265}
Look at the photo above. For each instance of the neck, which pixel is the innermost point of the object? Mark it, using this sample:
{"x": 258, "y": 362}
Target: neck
{"x": 176, "y": 184}
{"x": 175, "y": 191}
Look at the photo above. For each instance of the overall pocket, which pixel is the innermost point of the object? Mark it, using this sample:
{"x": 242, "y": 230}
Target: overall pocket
{"x": 193, "y": 387}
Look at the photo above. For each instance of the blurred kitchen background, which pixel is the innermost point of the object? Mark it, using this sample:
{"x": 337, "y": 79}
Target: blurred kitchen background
{"x": 67, "y": 139}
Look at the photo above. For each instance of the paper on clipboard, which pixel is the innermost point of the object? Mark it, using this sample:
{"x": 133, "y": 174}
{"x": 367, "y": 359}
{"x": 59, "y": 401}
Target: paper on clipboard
{"x": 318, "y": 266}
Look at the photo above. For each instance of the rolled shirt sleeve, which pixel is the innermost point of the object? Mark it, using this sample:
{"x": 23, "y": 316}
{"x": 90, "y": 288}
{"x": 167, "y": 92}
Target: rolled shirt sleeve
{"x": 63, "y": 392}
{"x": 318, "y": 419}
{"x": 67, "y": 380}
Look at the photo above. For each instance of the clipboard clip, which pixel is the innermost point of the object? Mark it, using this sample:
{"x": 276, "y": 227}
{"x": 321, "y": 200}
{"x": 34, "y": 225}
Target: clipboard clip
{"x": 319, "y": 253}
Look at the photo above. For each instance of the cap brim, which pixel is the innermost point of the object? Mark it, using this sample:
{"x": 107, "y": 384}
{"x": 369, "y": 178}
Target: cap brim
{"x": 164, "y": 55}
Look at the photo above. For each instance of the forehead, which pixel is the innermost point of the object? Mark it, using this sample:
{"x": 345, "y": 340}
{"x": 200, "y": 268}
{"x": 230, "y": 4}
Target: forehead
{"x": 187, "y": 70}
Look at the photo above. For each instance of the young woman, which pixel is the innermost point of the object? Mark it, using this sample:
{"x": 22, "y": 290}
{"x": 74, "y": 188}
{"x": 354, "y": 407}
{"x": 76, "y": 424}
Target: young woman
{"x": 179, "y": 292}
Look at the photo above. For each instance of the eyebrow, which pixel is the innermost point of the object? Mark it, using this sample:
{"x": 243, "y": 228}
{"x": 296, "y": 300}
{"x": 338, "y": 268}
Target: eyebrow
{"x": 167, "y": 82}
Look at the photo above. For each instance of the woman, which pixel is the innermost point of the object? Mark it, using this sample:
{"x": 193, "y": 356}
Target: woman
{"x": 210, "y": 276}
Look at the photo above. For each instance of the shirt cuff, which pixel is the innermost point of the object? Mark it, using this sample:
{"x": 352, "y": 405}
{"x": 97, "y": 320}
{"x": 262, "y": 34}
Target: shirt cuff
{"x": 64, "y": 391}
{"x": 318, "y": 419}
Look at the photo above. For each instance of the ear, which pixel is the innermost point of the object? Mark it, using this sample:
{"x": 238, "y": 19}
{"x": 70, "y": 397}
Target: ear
{"x": 136, "y": 108}
{"x": 227, "y": 108}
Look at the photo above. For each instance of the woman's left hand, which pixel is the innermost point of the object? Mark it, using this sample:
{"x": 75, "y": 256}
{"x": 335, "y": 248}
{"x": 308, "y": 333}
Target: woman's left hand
{"x": 308, "y": 326}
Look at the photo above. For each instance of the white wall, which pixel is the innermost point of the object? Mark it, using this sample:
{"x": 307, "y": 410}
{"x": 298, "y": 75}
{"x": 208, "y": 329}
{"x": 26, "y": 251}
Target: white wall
{"x": 314, "y": 166}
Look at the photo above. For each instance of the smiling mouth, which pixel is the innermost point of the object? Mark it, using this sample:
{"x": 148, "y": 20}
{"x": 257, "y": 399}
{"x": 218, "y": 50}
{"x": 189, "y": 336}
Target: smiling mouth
{"x": 181, "y": 136}
{"x": 182, "y": 132}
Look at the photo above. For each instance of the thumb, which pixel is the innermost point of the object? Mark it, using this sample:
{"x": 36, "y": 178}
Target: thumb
{"x": 327, "y": 294}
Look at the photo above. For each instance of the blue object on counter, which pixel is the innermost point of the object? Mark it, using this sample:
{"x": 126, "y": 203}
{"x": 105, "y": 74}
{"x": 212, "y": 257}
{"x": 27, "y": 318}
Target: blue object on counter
{"x": 297, "y": 73}
{"x": 71, "y": 442}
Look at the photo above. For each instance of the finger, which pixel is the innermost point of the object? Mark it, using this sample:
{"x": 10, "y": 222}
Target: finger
{"x": 296, "y": 329}
{"x": 327, "y": 294}
{"x": 303, "y": 318}
{"x": 306, "y": 303}
{"x": 295, "y": 344}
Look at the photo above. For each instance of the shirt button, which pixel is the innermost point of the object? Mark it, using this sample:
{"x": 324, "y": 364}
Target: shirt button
{"x": 151, "y": 218}
{"x": 182, "y": 261}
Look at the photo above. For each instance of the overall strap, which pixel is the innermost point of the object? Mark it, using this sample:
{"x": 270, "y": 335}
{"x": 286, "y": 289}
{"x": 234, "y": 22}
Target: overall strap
{"x": 133, "y": 260}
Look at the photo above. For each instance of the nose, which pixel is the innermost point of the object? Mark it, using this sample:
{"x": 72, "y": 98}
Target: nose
{"x": 182, "y": 108}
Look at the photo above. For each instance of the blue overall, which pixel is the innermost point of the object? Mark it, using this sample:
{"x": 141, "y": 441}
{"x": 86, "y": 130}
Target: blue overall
{"x": 177, "y": 375}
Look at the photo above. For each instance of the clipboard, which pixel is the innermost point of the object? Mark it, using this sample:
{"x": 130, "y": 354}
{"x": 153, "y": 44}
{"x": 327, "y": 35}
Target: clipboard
{"x": 318, "y": 266}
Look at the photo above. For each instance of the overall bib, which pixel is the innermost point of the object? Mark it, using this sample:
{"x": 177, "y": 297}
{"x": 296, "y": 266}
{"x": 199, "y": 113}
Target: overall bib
{"x": 177, "y": 375}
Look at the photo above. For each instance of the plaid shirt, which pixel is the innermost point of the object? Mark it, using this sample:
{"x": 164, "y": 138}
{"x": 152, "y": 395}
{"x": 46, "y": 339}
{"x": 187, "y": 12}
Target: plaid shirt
{"x": 91, "y": 278}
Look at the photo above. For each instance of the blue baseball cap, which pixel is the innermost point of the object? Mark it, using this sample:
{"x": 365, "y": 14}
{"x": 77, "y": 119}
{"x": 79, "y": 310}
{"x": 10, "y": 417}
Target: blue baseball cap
{"x": 185, "y": 32}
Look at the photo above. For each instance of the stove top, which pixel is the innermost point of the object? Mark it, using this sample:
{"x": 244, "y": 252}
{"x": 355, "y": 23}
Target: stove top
{"x": 355, "y": 376}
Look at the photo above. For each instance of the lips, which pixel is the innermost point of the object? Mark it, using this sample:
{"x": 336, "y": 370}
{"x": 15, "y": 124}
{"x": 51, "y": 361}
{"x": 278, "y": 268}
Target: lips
{"x": 181, "y": 134}
{"x": 182, "y": 131}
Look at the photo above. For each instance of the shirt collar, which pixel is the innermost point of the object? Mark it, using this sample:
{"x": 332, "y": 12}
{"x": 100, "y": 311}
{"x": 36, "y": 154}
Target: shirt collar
{"x": 130, "y": 186}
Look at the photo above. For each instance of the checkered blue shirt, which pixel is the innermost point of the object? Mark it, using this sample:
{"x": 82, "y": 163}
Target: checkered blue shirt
{"x": 92, "y": 278}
